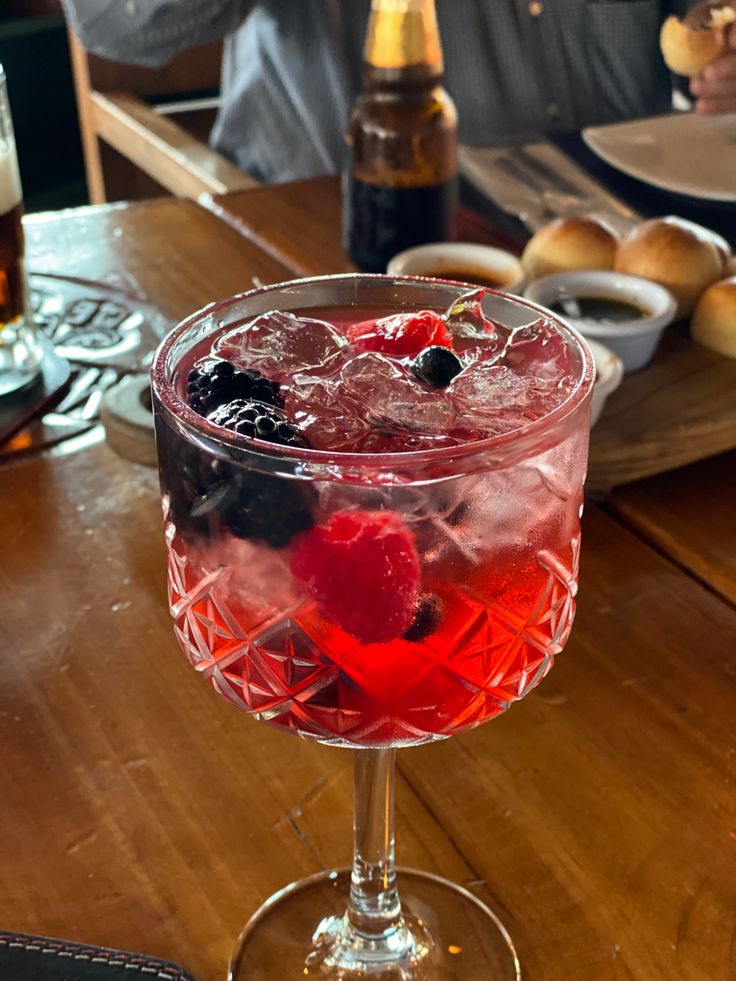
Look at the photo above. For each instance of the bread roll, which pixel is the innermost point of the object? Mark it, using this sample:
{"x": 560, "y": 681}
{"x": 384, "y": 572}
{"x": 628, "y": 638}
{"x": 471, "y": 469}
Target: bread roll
{"x": 689, "y": 45}
{"x": 714, "y": 320}
{"x": 724, "y": 250}
{"x": 678, "y": 254}
{"x": 567, "y": 244}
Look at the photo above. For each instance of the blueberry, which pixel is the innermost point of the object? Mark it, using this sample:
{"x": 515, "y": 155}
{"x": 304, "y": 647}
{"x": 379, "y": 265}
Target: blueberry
{"x": 436, "y": 366}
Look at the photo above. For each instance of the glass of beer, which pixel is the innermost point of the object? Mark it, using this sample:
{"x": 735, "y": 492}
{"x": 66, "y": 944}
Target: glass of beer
{"x": 20, "y": 354}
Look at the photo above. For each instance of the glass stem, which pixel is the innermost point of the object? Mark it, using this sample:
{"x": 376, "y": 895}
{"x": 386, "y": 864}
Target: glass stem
{"x": 374, "y": 911}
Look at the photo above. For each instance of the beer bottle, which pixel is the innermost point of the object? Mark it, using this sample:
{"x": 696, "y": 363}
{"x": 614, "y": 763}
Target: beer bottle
{"x": 400, "y": 185}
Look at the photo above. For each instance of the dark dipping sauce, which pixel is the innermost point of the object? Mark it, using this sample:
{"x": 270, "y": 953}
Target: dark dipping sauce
{"x": 479, "y": 278}
{"x": 598, "y": 308}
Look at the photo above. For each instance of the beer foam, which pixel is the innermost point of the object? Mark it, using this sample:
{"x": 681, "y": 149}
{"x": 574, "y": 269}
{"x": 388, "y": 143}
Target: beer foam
{"x": 10, "y": 189}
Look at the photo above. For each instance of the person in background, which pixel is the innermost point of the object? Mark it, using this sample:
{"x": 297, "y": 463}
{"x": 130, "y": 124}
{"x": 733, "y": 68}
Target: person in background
{"x": 29, "y": 8}
{"x": 291, "y": 70}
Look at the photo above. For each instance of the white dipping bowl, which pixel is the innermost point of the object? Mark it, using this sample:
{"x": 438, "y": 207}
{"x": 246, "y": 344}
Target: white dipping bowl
{"x": 609, "y": 371}
{"x": 439, "y": 258}
{"x": 634, "y": 341}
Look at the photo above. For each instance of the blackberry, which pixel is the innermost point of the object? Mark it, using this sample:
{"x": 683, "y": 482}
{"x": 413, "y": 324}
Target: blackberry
{"x": 268, "y": 509}
{"x": 199, "y": 484}
{"x": 436, "y": 366}
{"x": 258, "y": 421}
{"x": 206, "y": 493}
{"x": 427, "y": 618}
{"x": 213, "y": 383}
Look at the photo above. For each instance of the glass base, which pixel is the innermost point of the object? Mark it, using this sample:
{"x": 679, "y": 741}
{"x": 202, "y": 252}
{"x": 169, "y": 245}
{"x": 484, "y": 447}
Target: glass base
{"x": 450, "y": 936}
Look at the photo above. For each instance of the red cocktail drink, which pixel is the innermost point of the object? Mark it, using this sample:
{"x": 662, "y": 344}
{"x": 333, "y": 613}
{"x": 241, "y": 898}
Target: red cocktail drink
{"x": 372, "y": 492}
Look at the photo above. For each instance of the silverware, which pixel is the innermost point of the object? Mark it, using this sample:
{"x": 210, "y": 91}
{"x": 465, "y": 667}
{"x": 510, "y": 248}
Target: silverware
{"x": 544, "y": 172}
{"x": 501, "y": 184}
{"x": 536, "y": 182}
{"x": 557, "y": 199}
{"x": 561, "y": 174}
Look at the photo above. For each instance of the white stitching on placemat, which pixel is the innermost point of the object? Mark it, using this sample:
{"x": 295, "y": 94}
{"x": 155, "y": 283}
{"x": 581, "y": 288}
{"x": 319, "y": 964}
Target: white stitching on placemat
{"x": 141, "y": 968}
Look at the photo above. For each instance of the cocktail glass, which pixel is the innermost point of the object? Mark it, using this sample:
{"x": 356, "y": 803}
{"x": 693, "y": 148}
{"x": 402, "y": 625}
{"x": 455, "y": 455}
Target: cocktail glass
{"x": 497, "y": 530}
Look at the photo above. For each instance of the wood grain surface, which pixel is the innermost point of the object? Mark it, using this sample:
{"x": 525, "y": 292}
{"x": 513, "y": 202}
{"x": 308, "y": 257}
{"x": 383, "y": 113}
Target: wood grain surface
{"x": 163, "y": 149}
{"x": 141, "y": 811}
{"x": 680, "y": 409}
{"x": 690, "y": 515}
{"x": 170, "y": 251}
{"x": 300, "y": 224}
{"x": 138, "y": 810}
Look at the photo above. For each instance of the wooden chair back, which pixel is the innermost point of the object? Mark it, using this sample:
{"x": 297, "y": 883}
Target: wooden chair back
{"x": 144, "y": 130}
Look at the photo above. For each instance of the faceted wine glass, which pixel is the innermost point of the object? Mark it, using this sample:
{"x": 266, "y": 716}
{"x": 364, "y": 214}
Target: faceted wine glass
{"x": 496, "y": 527}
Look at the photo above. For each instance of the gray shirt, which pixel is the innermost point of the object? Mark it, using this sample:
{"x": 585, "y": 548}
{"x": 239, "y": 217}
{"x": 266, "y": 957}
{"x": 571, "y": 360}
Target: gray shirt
{"x": 291, "y": 68}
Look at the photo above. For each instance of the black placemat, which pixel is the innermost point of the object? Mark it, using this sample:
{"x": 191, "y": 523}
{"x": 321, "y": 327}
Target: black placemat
{"x": 24, "y": 957}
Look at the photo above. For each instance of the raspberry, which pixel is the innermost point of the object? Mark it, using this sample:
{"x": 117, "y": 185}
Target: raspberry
{"x": 213, "y": 383}
{"x": 258, "y": 421}
{"x": 402, "y": 335}
{"x": 362, "y": 569}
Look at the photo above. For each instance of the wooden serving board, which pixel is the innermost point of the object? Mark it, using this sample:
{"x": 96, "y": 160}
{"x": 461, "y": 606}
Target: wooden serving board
{"x": 678, "y": 410}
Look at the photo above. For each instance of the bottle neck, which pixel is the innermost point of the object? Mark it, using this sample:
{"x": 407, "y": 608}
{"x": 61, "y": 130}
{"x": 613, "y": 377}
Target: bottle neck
{"x": 403, "y": 41}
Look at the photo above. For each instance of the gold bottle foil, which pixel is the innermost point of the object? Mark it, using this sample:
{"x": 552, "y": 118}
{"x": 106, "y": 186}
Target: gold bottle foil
{"x": 402, "y": 33}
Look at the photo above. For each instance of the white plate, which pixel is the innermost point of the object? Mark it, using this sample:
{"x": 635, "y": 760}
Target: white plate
{"x": 682, "y": 152}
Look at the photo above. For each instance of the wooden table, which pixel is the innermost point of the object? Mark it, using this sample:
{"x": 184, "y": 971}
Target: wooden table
{"x": 139, "y": 810}
{"x": 690, "y": 515}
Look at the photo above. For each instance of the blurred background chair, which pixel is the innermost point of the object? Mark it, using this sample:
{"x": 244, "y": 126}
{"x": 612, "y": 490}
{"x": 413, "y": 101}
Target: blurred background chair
{"x": 144, "y": 131}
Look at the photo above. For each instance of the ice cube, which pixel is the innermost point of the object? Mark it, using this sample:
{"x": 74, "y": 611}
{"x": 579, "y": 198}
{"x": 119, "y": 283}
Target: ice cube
{"x": 503, "y": 512}
{"x": 539, "y": 349}
{"x": 495, "y": 399}
{"x": 329, "y": 421}
{"x": 465, "y": 318}
{"x": 279, "y": 343}
{"x": 393, "y": 398}
{"x": 477, "y": 338}
{"x": 531, "y": 376}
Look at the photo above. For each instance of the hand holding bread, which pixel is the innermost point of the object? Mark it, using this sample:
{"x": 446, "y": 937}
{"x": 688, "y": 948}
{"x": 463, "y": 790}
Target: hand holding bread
{"x": 690, "y": 44}
{"x": 702, "y": 45}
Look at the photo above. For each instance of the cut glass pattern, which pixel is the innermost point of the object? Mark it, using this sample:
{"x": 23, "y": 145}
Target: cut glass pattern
{"x": 284, "y": 671}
